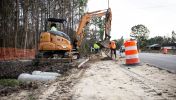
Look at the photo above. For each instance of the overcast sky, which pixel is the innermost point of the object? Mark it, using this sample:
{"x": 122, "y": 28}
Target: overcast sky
{"x": 159, "y": 16}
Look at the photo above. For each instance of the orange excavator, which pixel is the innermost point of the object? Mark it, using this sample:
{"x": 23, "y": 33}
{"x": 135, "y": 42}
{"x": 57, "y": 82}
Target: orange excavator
{"x": 57, "y": 44}
{"x": 53, "y": 43}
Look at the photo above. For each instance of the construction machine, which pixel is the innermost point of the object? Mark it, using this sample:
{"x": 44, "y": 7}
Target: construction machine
{"x": 86, "y": 19}
{"x": 57, "y": 44}
{"x": 53, "y": 44}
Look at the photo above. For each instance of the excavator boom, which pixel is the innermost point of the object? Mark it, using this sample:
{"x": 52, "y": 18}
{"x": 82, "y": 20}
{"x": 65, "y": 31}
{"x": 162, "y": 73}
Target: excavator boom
{"x": 88, "y": 16}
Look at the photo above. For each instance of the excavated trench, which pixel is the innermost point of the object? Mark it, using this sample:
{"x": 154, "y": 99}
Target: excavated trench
{"x": 10, "y": 70}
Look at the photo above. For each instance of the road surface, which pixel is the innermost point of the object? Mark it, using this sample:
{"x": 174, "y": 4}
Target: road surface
{"x": 164, "y": 61}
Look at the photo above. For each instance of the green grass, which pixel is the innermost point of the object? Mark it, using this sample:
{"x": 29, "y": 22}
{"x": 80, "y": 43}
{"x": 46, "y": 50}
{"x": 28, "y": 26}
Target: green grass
{"x": 9, "y": 82}
{"x": 30, "y": 97}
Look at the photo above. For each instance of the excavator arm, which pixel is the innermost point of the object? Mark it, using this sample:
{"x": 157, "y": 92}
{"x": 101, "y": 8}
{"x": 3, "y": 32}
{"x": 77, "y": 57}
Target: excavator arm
{"x": 87, "y": 17}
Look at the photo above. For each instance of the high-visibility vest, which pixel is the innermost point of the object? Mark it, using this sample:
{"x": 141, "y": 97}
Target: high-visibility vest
{"x": 112, "y": 45}
{"x": 96, "y": 46}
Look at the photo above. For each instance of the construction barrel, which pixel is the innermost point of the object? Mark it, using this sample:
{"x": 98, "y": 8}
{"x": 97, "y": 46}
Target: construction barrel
{"x": 165, "y": 50}
{"x": 131, "y": 52}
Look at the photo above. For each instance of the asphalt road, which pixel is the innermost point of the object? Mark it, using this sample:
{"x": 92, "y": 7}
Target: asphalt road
{"x": 164, "y": 61}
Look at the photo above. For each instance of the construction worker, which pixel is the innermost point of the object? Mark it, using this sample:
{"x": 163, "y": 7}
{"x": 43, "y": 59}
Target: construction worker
{"x": 53, "y": 27}
{"x": 112, "y": 46}
{"x": 96, "y": 47}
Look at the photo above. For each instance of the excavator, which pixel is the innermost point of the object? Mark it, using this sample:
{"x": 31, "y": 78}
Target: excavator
{"x": 54, "y": 44}
{"x": 86, "y": 19}
{"x": 57, "y": 44}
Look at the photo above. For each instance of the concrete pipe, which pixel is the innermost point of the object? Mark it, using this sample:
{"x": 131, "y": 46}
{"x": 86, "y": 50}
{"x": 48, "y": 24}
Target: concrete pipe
{"x": 29, "y": 77}
{"x": 45, "y": 73}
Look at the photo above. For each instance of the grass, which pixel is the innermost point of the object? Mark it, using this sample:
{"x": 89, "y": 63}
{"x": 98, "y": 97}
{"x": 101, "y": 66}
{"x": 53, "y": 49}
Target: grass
{"x": 9, "y": 82}
{"x": 30, "y": 97}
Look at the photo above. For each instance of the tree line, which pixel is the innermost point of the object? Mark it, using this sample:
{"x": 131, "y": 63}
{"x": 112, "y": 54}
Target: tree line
{"x": 141, "y": 34}
{"x": 21, "y": 21}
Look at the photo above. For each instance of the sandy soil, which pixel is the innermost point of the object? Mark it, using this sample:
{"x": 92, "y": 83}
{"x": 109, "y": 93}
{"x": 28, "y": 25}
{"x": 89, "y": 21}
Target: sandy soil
{"x": 105, "y": 79}
{"x": 111, "y": 80}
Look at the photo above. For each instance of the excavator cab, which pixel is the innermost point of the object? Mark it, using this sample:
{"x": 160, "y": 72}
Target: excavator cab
{"x": 60, "y": 24}
{"x": 54, "y": 43}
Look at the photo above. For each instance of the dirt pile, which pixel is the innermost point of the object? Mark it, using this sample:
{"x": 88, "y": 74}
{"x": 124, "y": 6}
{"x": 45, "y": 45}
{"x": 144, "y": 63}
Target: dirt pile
{"x": 10, "y": 70}
{"x": 53, "y": 90}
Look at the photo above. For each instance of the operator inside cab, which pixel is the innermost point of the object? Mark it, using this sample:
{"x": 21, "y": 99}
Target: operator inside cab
{"x": 53, "y": 27}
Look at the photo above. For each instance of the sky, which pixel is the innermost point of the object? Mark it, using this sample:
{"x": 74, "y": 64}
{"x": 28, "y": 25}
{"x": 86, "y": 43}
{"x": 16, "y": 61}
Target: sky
{"x": 159, "y": 16}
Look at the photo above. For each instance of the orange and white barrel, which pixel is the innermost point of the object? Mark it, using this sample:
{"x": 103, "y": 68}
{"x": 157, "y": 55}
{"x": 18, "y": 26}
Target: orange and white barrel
{"x": 165, "y": 50}
{"x": 131, "y": 52}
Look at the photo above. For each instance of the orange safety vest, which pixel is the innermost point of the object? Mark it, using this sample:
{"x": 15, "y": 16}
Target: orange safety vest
{"x": 112, "y": 45}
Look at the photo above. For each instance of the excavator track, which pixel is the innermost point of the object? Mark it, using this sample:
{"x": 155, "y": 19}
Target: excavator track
{"x": 58, "y": 60}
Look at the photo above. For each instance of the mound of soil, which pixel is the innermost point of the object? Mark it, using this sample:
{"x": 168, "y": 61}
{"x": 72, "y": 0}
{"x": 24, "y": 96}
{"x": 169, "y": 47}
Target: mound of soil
{"x": 12, "y": 69}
